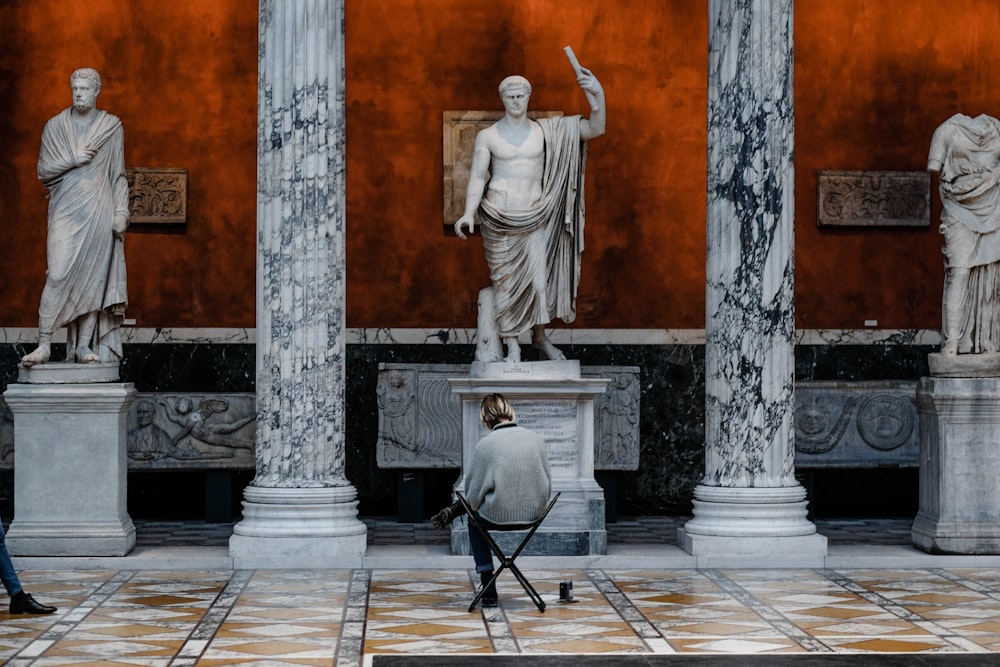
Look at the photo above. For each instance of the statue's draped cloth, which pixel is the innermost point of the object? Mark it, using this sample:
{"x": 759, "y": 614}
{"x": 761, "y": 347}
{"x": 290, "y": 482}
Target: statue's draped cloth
{"x": 966, "y": 153}
{"x": 86, "y": 262}
{"x": 543, "y": 243}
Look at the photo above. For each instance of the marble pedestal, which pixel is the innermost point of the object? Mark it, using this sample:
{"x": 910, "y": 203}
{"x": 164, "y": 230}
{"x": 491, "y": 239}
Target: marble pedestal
{"x": 70, "y": 467}
{"x": 959, "y": 459}
{"x": 552, "y": 399}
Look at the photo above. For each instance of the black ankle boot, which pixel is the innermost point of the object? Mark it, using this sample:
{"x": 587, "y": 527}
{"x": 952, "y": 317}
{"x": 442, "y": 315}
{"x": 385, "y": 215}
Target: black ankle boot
{"x": 490, "y": 598}
{"x": 23, "y": 603}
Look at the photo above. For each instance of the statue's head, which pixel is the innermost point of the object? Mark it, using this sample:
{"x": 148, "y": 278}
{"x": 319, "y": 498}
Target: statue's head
{"x": 87, "y": 74}
{"x": 515, "y": 82}
{"x": 183, "y": 405}
{"x": 86, "y": 86}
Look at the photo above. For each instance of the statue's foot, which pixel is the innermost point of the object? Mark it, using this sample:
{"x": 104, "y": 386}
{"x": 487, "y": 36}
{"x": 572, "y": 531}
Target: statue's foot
{"x": 950, "y": 347}
{"x": 84, "y": 355}
{"x": 548, "y": 350}
{"x": 513, "y": 351}
{"x": 39, "y": 355}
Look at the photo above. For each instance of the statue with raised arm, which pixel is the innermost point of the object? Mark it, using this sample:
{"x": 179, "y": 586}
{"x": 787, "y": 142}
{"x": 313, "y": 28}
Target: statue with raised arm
{"x": 526, "y": 183}
{"x": 82, "y": 163}
{"x": 965, "y": 152}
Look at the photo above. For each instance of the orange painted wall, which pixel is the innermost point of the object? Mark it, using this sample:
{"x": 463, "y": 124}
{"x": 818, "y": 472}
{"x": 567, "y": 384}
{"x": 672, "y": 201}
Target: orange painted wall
{"x": 182, "y": 77}
{"x": 873, "y": 79}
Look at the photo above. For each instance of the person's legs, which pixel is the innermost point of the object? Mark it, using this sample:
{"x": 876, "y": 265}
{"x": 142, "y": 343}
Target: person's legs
{"x": 481, "y": 553}
{"x": 20, "y": 602}
{"x": 483, "y": 558}
{"x": 7, "y": 573}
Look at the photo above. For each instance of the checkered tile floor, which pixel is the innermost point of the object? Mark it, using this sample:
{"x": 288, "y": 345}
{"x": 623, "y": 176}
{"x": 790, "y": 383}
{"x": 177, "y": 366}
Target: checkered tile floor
{"x": 345, "y": 617}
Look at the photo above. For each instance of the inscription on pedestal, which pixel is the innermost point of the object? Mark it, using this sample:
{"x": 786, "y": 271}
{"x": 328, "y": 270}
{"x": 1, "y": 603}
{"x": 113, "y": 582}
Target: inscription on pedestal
{"x": 556, "y": 422}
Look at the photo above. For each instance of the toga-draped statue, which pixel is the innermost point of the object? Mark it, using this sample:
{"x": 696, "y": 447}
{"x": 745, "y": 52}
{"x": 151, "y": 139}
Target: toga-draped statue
{"x": 526, "y": 182}
{"x": 966, "y": 153}
{"x": 82, "y": 163}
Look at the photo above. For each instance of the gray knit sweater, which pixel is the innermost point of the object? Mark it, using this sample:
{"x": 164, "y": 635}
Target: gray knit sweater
{"x": 508, "y": 479}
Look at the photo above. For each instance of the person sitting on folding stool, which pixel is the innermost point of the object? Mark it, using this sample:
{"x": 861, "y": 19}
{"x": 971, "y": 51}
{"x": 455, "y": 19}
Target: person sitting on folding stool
{"x": 507, "y": 483}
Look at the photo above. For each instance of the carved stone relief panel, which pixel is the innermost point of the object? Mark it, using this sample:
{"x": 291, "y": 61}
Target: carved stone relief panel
{"x": 157, "y": 196}
{"x": 616, "y": 418}
{"x": 420, "y": 419}
{"x": 192, "y": 431}
{"x": 874, "y": 198}
{"x": 856, "y": 424}
{"x": 176, "y": 432}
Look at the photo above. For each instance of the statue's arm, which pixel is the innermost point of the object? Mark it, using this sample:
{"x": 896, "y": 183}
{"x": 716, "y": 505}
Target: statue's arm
{"x": 120, "y": 184}
{"x": 55, "y": 157}
{"x": 478, "y": 175}
{"x": 593, "y": 127}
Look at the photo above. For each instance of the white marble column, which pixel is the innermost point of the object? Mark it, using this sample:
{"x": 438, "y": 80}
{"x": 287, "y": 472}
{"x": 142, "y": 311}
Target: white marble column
{"x": 749, "y": 502}
{"x": 300, "y": 508}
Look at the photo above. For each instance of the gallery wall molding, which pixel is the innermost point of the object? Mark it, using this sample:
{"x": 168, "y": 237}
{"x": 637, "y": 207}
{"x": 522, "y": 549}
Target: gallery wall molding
{"x": 459, "y": 336}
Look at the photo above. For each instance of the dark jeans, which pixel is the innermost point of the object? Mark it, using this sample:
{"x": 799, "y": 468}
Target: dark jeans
{"x": 7, "y": 574}
{"x": 479, "y": 546}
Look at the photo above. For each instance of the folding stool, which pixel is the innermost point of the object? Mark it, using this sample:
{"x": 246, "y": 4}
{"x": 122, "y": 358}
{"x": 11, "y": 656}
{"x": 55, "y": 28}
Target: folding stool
{"x": 505, "y": 561}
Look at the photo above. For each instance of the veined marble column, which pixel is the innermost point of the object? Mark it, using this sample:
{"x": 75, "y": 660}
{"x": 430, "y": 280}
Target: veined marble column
{"x": 749, "y": 502}
{"x": 300, "y": 508}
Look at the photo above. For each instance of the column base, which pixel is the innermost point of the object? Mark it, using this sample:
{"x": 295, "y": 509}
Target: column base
{"x": 752, "y": 523}
{"x": 299, "y": 527}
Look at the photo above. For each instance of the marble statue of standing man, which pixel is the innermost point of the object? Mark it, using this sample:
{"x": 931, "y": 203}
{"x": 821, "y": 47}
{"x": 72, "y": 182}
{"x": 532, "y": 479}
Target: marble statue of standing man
{"x": 82, "y": 163}
{"x": 526, "y": 183}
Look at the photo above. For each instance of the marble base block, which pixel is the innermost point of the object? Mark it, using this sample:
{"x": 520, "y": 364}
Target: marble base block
{"x": 67, "y": 373}
{"x": 552, "y": 399}
{"x": 984, "y": 365}
{"x": 298, "y": 527}
{"x": 959, "y": 459}
{"x": 760, "y": 522}
{"x": 70, "y": 469}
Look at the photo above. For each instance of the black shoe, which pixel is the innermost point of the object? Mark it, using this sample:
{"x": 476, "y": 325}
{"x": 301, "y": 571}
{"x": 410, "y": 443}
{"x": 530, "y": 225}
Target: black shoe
{"x": 490, "y": 597}
{"x": 23, "y": 603}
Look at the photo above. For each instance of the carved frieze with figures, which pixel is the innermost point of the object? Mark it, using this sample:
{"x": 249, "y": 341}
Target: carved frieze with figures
{"x": 874, "y": 199}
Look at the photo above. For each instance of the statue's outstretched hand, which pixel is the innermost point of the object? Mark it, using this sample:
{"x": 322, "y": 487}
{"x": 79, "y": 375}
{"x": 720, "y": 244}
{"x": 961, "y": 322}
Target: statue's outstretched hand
{"x": 464, "y": 221}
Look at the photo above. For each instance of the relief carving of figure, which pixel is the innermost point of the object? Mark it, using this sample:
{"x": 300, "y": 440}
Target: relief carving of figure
{"x": 194, "y": 423}
{"x": 965, "y": 152}
{"x": 397, "y": 394}
{"x": 82, "y": 163}
{"x": 147, "y": 441}
{"x": 616, "y": 420}
{"x": 526, "y": 182}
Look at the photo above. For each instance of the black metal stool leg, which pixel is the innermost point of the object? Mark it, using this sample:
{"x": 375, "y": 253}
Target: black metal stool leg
{"x": 507, "y": 562}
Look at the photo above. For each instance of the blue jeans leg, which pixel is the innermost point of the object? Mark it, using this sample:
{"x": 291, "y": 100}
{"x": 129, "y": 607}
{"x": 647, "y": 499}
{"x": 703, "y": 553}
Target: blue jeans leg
{"x": 7, "y": 574}
{"x": 480, "y": 550}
